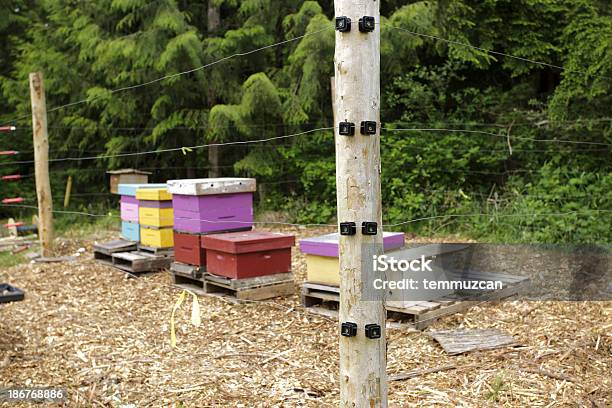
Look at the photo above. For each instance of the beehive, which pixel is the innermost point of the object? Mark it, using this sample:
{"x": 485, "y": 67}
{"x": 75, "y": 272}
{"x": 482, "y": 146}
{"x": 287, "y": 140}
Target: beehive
{"x": 322, "y": 263}
{"x": 156, "y": 237}
{"x": 248, "y": 254}
{"x": 125, "y": 176}
{"x": 188, "y": 249}
{"x": 211, "y": 205}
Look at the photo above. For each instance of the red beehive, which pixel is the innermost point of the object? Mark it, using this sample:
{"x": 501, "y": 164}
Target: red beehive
{"x": 247, "y": 254}
{"x": 188, "y": 249}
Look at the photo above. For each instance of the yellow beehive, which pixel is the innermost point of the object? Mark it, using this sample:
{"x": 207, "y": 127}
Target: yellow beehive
{"x": 158, "y": 238}
{"x": 156, "y": 194}
{"x": 323, "y": 269}
{"x": 156, "y": 217}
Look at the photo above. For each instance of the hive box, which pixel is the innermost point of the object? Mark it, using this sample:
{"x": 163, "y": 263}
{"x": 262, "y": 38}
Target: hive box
{"x": 188, "y": 249}
{"x": 153, "y": 194}
{"x": 126, "y": 176}
{"x": 129, "y": 208}
{"x": 210, "y": 213}
{"x": 130, "y": 189}
{"x": 238, "y": 255}
{"x": 155, "y": 217}
{"x": 322, "y": 264}
{"x": 156, "y": 237}
{"x": 210, "y": 205}
{"x": 130, "y": 231}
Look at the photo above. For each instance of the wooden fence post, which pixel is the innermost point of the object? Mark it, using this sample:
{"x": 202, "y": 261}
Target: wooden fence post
{"x": 67, "y": 192}
{"x": 41, "y": 163}
{"x": 363, "y": 380}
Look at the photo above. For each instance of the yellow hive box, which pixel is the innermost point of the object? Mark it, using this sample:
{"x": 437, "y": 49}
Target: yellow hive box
{"x": 323, "y": 269}
{"x": 156, "y": 217}
{"x": 158, "y": 238}
{"x": 156, "y": 194}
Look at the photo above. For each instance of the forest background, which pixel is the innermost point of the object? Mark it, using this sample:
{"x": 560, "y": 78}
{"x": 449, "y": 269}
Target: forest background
{"x": 525, "y": 157}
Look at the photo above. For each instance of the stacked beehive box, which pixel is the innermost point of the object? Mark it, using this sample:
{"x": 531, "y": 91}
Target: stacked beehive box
{"x": 208, "y": 206}
{"x": 130, "y": 227}
{"x": 156, "y": 217}
{"x": 322, "y": 252}
{"x": 215, "y": 249}
{"x": 248, "y": 254}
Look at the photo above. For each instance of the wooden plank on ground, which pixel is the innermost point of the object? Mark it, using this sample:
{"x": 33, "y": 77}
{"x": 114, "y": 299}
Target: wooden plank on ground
{"x": 466, "y": 340}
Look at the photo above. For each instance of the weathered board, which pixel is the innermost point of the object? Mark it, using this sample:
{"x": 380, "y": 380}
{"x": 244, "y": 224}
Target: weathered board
{"x": 138, "y": 262}
{"x": 466, "y": 340}
{"x": 208, "y": 186}
{"x": 104, "y": 251}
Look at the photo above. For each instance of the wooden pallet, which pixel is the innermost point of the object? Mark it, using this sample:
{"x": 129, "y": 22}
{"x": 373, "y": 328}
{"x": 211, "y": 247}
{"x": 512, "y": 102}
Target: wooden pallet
{"x": 140, "y": 262}
{"x": 187, "y": 271}
{"x": 324, "y": 300}
{"x": 259, "y": 288}
{"x": 104, "y": 252}
{"x": 157, "y": 251}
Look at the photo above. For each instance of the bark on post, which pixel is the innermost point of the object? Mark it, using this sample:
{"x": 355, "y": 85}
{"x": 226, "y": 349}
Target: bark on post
{"x": 41, "y": 163}
{"x": 363, "y": 380}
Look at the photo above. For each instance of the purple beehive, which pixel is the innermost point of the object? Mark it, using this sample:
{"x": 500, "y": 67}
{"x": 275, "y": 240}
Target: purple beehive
{"x": 209, "y": 213}
{"x": 327, "y": 245}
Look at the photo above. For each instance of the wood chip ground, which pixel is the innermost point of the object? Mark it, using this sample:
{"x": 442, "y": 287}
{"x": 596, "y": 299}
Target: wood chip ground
{"x": 104, "y": 337}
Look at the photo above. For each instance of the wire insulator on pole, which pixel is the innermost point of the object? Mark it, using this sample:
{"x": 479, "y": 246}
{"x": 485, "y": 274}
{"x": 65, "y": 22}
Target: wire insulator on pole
{"x": 7, "y": 129}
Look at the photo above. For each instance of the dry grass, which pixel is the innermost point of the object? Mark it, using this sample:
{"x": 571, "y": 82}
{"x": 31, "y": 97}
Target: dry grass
{"x": 105, "y": 338}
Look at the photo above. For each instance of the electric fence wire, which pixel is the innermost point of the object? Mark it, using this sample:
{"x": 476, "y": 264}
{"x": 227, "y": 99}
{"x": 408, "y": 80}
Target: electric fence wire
{"x": 505, "y": 136}
{"x": 503, "y": 54}
{"x": 307, "y": 225}
{"x": 169, "y": 76}
{"x": 184, "y": 149}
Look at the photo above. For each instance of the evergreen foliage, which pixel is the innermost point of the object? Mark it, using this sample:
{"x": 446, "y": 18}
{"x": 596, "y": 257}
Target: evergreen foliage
{"x": 97, "y": 51}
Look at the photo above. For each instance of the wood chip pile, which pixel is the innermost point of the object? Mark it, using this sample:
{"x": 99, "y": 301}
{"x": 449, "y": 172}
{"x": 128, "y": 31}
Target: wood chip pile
{"x": 105, "y": 338}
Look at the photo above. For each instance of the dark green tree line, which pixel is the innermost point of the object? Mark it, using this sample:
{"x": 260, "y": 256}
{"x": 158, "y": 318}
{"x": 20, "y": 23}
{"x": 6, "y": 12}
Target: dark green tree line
{"x": 88, "y": 50}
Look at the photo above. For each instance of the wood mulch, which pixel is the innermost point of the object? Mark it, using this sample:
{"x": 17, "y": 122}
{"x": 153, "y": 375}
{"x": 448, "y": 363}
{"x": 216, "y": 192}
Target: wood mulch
{"x": 105, "y": 338}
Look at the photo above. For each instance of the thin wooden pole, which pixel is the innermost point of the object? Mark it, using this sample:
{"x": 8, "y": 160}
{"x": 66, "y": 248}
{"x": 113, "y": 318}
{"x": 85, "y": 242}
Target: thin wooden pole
{"x": 68, "y": 191}
{"x": 363, "y": 381}
{"x": 214, "y": 23}
{"x": 41, "y": 163}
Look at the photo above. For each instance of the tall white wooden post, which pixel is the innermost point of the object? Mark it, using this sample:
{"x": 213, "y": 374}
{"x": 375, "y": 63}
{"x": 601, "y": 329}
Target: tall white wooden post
{"x": 363, "y": 381}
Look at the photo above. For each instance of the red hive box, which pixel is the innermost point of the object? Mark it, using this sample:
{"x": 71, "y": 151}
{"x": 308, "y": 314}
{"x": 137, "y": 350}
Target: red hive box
{"x": 188, "y": 249}
{"x": 247, "y": 254}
